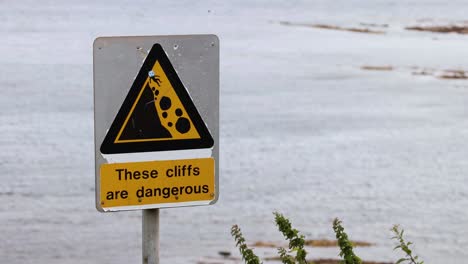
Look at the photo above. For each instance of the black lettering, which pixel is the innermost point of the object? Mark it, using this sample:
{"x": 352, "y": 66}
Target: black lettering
{"x": 136, "y": 175}
{"x": 158, "y": 191}
{"x": 171, "y": 173}
{"x": 110, "y": 196}
{"x": 196, "y": 171}
{"x": 148, "y": 193}
{"x": 197, "y": 190}
{"x": 120, "y": 175}
{"x": 145, "y": 174}
{"x": 205, "y": 188}
{"x": 166, "y": 192}
{"x": 154, "y": 174}
{"x": 181, "y": 188}
{"x": 140, "y": 192}
{"x": 128, "y": 174}
{"x": 115, "y": 195}
{"x": 175, "y": 191}
{"x": 187, "y": 189}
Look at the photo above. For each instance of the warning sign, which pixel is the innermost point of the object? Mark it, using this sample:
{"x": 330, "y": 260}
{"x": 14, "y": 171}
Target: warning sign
{"x": 157, "y": 182}
{"x": 157, "y": 114}
{"x": 156, "y": 140}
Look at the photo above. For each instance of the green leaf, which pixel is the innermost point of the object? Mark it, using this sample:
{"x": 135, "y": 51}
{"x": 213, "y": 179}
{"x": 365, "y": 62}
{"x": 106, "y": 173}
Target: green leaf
{"x": 400, "y": 260}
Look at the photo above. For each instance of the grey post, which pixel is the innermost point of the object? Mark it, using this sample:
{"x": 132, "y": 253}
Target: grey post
{"x": 150, "y": 236}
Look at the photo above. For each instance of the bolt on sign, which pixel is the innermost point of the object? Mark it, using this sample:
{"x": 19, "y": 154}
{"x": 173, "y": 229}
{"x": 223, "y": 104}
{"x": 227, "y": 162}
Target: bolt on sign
{"x": 156, "y": 119}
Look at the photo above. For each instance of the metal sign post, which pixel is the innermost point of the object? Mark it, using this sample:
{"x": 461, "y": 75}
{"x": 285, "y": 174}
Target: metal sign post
{"x": 150, "y": 234}
{"x": 156, "y": 121}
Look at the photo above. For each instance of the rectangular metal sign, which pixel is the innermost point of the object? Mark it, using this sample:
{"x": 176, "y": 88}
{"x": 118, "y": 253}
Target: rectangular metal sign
{"x": 156, "y": 120}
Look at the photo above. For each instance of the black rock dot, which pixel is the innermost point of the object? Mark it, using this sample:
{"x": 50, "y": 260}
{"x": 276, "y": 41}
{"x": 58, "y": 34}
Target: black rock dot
{"x": 153, "y": 89}
{"x": 183, "y": 125}
{"x": 164, "y": 114}
{"x": 178, "y": 112}
{"x": 156, "y": 92}
{"x": 165, "y": 103}
{"x": 169, "y": 124}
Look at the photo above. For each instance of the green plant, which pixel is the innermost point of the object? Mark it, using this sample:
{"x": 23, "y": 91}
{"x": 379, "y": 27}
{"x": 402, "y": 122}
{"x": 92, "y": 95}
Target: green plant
{"x": 346, "y": 247}
{"x": 296, "y": 241}
{"x": 285, "y": 257}
{"x": 247, "y": 254}
{"x": 404, "y": 246}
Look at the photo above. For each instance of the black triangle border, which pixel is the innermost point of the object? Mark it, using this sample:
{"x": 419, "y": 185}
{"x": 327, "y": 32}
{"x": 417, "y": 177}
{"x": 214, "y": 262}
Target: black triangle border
{"x": 206, "y": 140}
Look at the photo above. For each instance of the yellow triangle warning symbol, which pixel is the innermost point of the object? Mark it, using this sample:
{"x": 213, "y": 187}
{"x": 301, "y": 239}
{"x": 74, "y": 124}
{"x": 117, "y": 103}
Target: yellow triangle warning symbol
{"x": 157, "y": 114}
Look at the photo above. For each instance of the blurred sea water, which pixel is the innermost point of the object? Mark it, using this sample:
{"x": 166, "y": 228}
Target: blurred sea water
{"x": 304, "y": 130}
